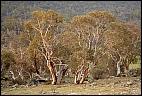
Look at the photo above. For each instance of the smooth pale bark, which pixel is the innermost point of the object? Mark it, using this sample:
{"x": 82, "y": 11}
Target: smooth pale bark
{"x": 85, "y": 73}
{"x": 77, "y": 74}
{"x": 81, "y": 74}
{"x": 118, "y": 66}
{"x": 16, "y": 79}
{"x": 75, "y": 79}
{"x": 21, "y": 75}
{"x": 40, "y": 78}
{"x": 46, "y": 53}
{"x": 52, "y": 70}
{"x": 13, "y": 76}
{"x": 118, "y": 69}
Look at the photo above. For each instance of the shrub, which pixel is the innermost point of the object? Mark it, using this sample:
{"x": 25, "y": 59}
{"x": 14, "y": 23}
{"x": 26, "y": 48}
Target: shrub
{"x": 7, "y": 59}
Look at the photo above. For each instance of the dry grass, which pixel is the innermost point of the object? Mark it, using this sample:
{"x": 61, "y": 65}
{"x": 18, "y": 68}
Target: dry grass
{"x": 103, "y": 86}
{"x": 134, "y": 66}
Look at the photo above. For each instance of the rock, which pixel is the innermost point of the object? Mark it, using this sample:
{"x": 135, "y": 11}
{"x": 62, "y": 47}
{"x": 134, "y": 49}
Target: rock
{"x": 93, "y": 84}
{"x": 108, "y": 85}
{"x": 26, "y": 86}
{"x": 129, "y": 83}
{"x": 43, "y": 92}
{"x": 86, "y": 82}
{"x": 3, "y": 93}
{"x": 22, "y": 86}
{"x": 113, "y": 84}
{"x": 72, "y": 94}
{"x": 99, "y": 94}
{"x": 110, "y": 77}
{"x": 14, "y": 86}
{"x": 117, "y": 82}
{"x": 33, "y": 85}
{"x": 55, "y": 93}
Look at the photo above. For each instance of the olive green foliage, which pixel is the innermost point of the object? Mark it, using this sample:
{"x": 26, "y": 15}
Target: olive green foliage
{"x": 7, "y": 59}
{"x": 88, "y": 39}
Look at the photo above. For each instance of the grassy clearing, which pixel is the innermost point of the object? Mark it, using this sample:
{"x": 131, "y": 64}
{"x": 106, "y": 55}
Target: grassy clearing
{"x": 49, "y": 89}
{"x": 102, "y": 87}
{"x": 134, "y": 66}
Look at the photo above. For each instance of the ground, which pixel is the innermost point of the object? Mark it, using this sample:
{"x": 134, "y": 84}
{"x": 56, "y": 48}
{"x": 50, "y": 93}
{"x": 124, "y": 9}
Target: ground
{"x": 110, "y": 86}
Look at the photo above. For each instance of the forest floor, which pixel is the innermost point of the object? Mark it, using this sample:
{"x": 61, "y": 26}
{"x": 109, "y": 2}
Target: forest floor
{"x": 110, "y": 86}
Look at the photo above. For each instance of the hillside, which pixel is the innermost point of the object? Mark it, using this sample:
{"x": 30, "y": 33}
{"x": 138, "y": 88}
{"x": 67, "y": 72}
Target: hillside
{"x": 71, "y": 47}
{"x": 125, "y": 10}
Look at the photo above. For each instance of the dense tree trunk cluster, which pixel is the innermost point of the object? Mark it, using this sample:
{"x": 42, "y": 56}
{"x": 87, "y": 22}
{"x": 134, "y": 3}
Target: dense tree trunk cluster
{"x": 81, "y": 74}
{"x": 97, "y": 37}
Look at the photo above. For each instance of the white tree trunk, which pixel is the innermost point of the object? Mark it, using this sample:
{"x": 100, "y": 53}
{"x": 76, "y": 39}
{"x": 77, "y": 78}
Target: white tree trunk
{"x": 53, "y": 73}
{"x": 81, "y": 75}
{"x": 75, "y": 79}
{"x": 118, "y": 69}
